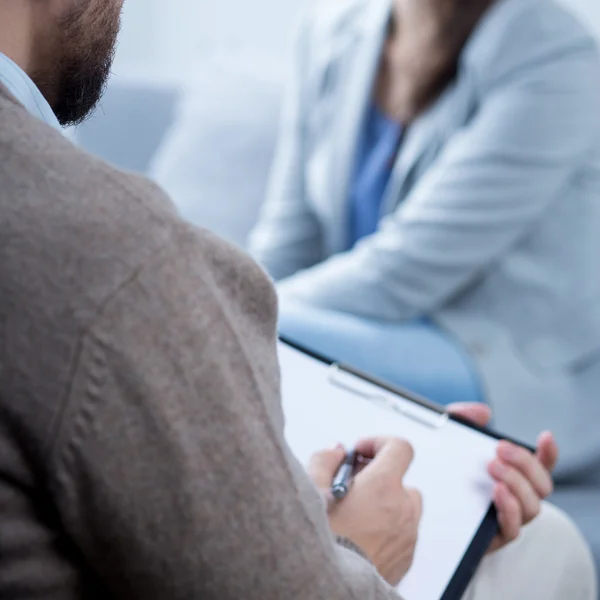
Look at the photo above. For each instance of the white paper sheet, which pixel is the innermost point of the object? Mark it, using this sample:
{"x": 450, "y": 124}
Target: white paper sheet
{"x": 450, "y": 466}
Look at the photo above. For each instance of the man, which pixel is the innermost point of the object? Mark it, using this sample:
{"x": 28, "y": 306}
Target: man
{"x": 141, "y": 434}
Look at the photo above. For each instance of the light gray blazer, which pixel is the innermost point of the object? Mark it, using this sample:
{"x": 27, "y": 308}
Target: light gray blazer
{"x": 492, "y": 218}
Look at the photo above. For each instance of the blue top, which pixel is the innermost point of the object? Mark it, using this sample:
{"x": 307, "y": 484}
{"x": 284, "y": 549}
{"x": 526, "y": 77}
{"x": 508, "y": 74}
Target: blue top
{"x": 18, "y": 83}
{"x": 378, "y": 146}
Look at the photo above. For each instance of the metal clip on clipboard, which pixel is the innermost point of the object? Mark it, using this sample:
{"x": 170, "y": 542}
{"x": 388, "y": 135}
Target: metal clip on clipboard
{"x": 383, "y": 401}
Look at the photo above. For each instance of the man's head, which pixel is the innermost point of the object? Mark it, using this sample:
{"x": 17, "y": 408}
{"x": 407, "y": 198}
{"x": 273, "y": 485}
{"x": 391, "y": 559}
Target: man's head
{"x": 68, "y": 47}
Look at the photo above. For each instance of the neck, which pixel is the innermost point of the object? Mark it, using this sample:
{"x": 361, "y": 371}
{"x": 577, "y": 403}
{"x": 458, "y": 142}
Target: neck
{"x": 15, "y": 19}
{"x": 422, "y": 52}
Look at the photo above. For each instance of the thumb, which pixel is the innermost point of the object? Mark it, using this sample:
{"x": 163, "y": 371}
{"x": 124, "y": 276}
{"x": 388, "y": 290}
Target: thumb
{"x": 479, "y": 414}
{"x": 547, "y": 451}
{"x": 324, "y": 465}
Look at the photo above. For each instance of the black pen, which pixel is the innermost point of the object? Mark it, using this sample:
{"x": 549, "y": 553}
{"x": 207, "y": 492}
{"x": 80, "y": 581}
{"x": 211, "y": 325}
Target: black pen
{"x": 341, "y": 482}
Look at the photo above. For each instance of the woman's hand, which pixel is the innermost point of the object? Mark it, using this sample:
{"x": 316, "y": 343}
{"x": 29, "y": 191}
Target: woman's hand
{"x": 523, "y": 479}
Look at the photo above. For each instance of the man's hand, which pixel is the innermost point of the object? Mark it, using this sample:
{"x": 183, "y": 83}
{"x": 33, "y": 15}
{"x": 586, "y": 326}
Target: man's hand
{"x": 523, "y": 479}
{"x": 379, "y": 514}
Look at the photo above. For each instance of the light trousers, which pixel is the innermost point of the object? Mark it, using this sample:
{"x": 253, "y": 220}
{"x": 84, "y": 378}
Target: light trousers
{"x": 550, "y": 561}
{"x": 417, "y": 356}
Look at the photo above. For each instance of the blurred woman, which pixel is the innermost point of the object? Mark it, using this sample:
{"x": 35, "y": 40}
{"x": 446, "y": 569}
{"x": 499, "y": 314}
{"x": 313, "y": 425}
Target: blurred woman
{"x": 434, "y": 208}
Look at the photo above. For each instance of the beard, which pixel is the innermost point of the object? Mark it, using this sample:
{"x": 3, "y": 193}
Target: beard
{"x": 77, "y": 61}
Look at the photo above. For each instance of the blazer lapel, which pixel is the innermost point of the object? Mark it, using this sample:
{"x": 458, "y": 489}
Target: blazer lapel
{"x": 418, "y": 139}
{"x": 358, "y": 68}
{"x": 451, "y": 110}
{"x": 424, "y": 139}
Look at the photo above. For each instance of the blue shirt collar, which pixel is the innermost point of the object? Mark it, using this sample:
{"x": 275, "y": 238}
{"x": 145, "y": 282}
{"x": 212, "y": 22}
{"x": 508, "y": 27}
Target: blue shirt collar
{"x": 18, "y": 83}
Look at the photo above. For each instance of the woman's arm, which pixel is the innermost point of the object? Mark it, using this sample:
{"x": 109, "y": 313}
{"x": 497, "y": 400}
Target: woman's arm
{"x": 288, "y": 235}
{"x": 492, "y": 182}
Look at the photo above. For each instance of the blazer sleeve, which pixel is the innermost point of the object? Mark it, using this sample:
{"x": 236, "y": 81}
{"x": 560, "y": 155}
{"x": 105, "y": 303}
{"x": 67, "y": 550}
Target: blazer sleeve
{"x": 171, "y": 471}
{"x": 492, "y": 182}
{"x": 288, "y": 236}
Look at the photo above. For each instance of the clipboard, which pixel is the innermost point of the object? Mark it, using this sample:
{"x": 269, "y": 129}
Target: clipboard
{"x": 458, "y": 524}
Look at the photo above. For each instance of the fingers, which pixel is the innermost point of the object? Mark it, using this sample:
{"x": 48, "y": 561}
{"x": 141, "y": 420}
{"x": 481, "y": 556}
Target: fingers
{"x": 324, "y": 465}
{"x": 519, "y": 487}
{"x": 547, "y": 451}
{"x": 371, "y": 447}
{"x": 480, "y": 414}
{"x": 529, "y": 465}
{"x": 523, "y": 481}
{"x": 392, "y": 454}
{"x": 361, "y": 463}
{"x": 510, "y": 517}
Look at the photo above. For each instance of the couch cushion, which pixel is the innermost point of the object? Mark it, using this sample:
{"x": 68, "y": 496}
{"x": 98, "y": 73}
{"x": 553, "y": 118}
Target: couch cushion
{"x": 129, "y": 124}
{"x": 215, "y": 160}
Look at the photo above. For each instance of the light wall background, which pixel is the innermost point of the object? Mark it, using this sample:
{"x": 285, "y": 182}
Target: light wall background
{"x": 165, "y": 38}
